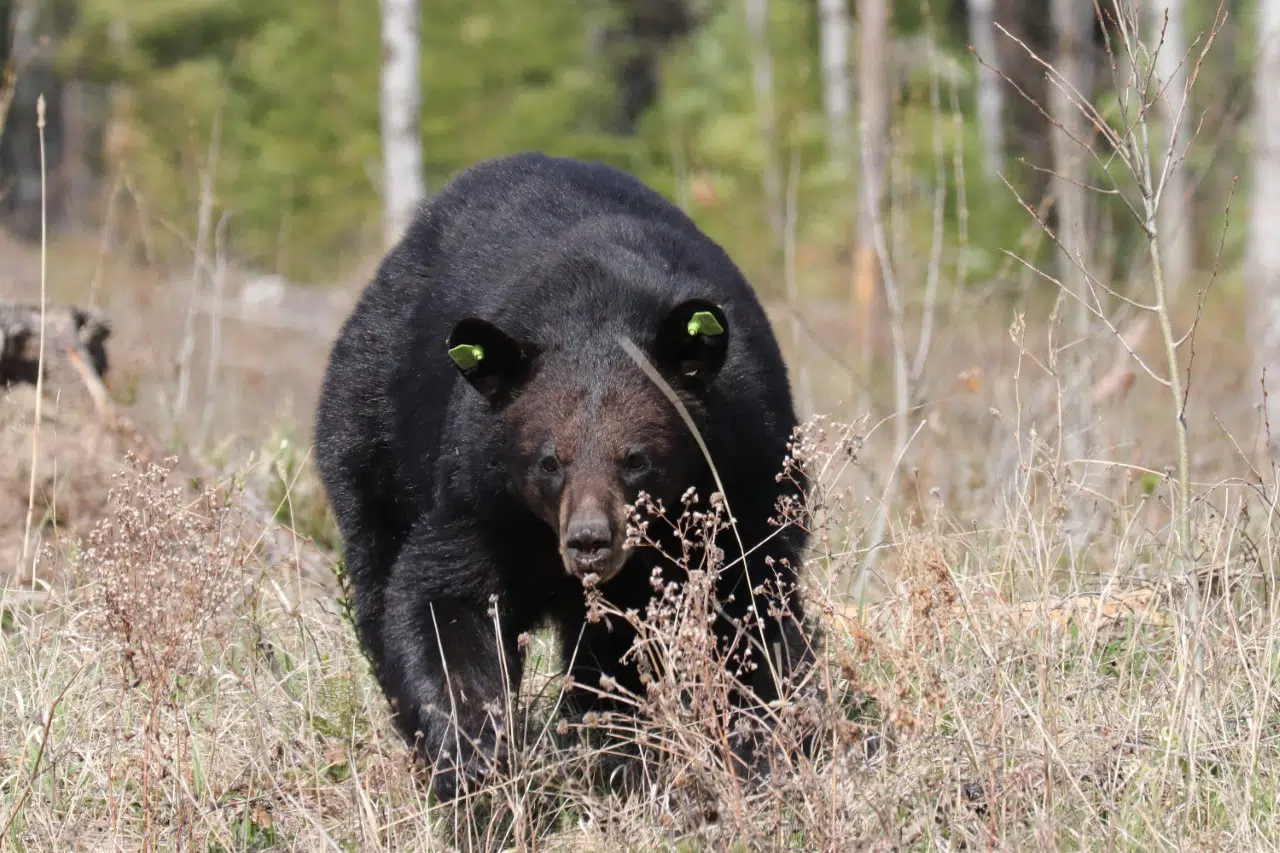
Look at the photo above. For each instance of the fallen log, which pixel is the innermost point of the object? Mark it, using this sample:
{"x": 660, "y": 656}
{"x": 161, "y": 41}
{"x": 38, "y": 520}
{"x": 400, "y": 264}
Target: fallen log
{"x": 72, "y": 334}
{"x": 77, "y": 336}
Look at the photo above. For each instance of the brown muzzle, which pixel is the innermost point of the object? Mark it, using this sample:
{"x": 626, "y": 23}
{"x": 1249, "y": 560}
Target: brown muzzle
{"x": 592, "y": 533}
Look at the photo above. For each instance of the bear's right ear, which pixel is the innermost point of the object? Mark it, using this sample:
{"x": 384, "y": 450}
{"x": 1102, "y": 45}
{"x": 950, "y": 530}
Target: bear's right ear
{"x": 487, "y": 357}
{"x": 693, "y": 340}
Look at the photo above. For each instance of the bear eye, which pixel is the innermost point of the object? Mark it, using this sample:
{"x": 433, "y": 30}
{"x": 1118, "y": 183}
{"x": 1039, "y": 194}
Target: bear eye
{"x": 636, "y": 461}
{"x": 549, "y": 464}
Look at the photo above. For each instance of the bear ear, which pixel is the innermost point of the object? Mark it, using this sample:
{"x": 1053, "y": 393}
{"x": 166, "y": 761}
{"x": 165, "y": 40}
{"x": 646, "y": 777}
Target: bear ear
{"x": 693, "y": 340}
{"x": 487, "y": 357}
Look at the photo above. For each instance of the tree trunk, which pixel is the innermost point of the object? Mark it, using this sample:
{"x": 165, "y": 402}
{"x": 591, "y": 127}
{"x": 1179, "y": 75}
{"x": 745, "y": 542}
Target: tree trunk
{"x": 1069, "y": 157}
{"x": 78, "y": 117}
{"x": 632, "y": 47}
{"x": 873, "y": 101}
{"x": 837, "y": 95}
{"x": 1031, "y": 40}
{"x": 1070, "y": 20}
{"x": 402, "y": 180}
{"x": 21, "y": 196}
{"x": 1264, "y": 229}
{"x": 73, "y": 335}
{"x": 1174, "y": 214}
{"x": 982, "y": 34}
{"x": 762, "y": 82}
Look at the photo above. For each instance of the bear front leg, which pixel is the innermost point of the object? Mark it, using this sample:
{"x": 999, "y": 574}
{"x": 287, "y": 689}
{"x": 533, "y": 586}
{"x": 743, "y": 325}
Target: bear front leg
{"x": 448, "y": 672}
{"x": 369, "y": 553}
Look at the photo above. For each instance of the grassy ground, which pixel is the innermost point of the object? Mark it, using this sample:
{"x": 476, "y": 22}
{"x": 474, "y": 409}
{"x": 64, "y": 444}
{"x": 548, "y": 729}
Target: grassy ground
{"x": 1009, "y": 658}
{"x": 1002, "y": 692}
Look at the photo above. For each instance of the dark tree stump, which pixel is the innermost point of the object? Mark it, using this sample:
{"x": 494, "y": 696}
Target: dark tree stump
{"x": 72, "y": 334}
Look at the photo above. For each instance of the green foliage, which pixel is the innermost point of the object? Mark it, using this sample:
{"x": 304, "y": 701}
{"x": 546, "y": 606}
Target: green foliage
{"x": 294, "y": 88}
{"x": 293, "y": 85}
{"x": 706, "y": 124}
{"x": 706, "y": 127}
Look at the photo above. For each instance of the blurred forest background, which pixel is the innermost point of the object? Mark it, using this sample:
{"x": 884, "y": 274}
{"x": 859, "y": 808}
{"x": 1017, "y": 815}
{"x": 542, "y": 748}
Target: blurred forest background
{"x": 721, "y": 104}
{"x": 899, "y": 178}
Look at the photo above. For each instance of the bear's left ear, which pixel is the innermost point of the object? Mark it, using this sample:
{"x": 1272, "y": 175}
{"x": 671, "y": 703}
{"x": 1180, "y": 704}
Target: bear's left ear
{"x": 487, "y": 357}
{"x": 693, "y": 340}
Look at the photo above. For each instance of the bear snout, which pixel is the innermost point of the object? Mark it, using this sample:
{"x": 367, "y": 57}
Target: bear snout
{"x": 589, "y": 543}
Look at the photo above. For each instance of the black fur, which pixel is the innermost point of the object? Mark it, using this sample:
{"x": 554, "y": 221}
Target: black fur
{"x": 561, "y": 256}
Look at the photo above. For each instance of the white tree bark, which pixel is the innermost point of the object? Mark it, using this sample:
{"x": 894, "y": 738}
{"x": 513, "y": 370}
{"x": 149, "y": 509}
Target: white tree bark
{"x": 990, "y": 94}
{"x": 1070, "y": 21}
{"x": 837, "y": 93}
{"x": 762, "y": 81}
{"x": 873, "y": 139}
{"x": 1174, "y": 214}
{"x": 400, "y": 103}
{"x": 1069, "y": 157}
{"x": 1264, "y": 232}
{"x": 873, "y": 79}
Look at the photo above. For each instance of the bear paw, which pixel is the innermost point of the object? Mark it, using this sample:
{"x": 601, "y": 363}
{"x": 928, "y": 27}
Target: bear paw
{"x": 465, "y": 767}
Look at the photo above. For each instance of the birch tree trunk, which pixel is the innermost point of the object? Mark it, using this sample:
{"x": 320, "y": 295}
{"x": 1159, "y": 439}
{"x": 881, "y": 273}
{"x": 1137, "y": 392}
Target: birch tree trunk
{"x": 400, "y": 102}
{"x": 762, "y": 81}
{"x": 837, "y": 95}
{"x": 873, "y": 102}
{"x": 1174, "y": 214}
{"x": 1069, "y": 158}
{"x": 1264, "y": 231}
{"x": 990, "y": 95}
{"x": 1070, "y": 19}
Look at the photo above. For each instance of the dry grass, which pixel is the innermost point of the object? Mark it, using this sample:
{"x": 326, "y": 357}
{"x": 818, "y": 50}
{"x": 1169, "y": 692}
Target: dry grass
{"x": 1001, "y": 693}
{"x": 75, "y": 465}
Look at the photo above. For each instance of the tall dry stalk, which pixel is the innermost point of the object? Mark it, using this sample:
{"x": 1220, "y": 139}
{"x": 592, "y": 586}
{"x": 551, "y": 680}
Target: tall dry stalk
{"x": 804, "y": 383}
{"x": 1152, "y": 176}
{"x": 35, "y": 429}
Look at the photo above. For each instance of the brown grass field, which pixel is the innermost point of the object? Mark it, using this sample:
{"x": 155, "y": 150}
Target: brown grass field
{"x": 181, "y": 675}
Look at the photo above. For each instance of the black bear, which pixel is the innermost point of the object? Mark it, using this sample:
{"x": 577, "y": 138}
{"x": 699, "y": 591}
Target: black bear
{"x": 482, "y": 429}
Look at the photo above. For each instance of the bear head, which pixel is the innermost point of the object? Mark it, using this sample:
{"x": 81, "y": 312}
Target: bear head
{"x": 585, "y": 428}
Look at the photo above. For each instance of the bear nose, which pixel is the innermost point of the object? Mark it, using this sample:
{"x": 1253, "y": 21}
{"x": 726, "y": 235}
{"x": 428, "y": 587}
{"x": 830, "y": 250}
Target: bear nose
{"x": 589, "y": 541}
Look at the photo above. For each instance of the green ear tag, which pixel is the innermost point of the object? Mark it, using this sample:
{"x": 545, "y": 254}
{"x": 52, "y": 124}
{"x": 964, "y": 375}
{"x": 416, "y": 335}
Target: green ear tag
{"x": 467, "y": 356}
{"x": 705, "y": 323}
